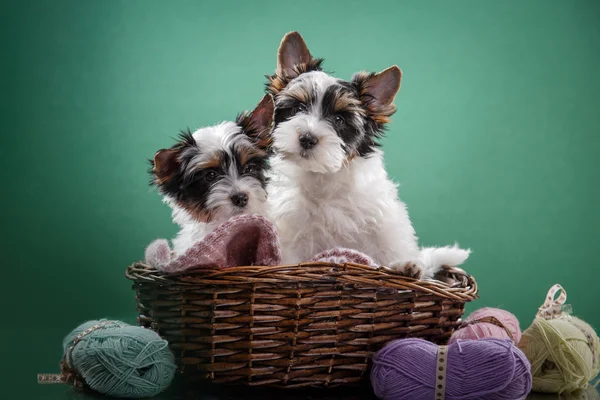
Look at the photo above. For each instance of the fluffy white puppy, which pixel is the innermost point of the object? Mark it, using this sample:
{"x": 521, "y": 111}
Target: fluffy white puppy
{"x": 329, "y": 187}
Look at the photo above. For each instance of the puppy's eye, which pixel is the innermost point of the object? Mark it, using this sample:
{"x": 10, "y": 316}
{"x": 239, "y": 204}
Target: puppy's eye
{"x": 210, "y": 176}
{"x": 339, "y": 121}
{"x": 250, "y": 169}
{"x": 299, "y": 108}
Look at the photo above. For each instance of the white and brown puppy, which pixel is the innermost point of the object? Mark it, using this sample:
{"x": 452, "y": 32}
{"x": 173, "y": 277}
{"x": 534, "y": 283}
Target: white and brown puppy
{"x": 329, "y": 186}
{"x": 215, "y": 173}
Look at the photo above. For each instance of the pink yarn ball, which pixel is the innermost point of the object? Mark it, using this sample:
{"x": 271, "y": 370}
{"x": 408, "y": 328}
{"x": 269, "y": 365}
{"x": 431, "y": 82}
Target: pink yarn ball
{"x": 476, "y": 329}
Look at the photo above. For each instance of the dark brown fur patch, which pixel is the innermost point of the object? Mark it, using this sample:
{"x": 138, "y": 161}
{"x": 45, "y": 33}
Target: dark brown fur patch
{"x": 165, "y": 164}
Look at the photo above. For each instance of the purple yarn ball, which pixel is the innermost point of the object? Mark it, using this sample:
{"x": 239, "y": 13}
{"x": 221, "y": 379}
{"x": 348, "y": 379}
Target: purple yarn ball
{"x": 490, "y": 369}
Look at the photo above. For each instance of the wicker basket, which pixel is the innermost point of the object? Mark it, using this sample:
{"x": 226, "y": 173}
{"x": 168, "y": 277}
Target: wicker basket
{"x": 313, "y": 324}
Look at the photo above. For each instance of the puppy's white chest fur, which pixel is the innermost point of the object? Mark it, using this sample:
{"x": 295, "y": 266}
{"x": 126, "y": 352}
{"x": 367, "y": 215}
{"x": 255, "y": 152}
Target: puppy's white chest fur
{"x": 357, "y": 207}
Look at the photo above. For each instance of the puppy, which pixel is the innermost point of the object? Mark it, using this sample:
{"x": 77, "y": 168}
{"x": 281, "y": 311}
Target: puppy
{"x": 215, "y": 173}
{"x": 330, "y": 187}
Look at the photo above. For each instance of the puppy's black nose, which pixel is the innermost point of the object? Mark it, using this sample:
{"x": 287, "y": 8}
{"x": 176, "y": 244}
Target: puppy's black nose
{"x": 239, "y": 199}
{"x": 308, "y": 141}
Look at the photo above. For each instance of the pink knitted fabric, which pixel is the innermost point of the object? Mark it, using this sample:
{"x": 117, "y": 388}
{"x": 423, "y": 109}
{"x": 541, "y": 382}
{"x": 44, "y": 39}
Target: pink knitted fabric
{"x": 158, "y": 253}
{"x": 242, "y": 240}
{"x": 341, "y": 255}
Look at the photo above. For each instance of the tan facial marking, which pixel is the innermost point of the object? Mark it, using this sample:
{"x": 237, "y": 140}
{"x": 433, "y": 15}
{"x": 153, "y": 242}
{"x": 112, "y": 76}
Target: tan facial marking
{"x": 213, "y": 162}
{"x": 246, "y": 153}
{"x": 299, "y": 93}
{"x": 345, "y": 102}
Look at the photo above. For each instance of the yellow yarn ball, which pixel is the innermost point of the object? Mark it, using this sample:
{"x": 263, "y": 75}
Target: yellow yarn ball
{"x": 564, "y": 354}
{"x": 588, "y": 394}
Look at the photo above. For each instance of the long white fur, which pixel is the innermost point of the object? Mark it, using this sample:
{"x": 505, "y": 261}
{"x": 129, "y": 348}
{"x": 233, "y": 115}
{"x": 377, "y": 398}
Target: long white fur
{"x": 320, "y": 201}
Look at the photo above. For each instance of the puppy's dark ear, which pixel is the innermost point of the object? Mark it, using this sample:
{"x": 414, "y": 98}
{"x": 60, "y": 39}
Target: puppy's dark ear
{"x": 165, "y": 165}
{"x": 258, "y": 123}
{"x": 384, "y": 86}
{"x": 292, "y": 52}
{"x": 378, "y": 91}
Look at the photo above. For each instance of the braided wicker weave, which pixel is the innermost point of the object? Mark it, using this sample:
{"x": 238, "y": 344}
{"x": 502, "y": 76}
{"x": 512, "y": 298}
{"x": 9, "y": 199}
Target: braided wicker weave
{"x": 313, "y": 324}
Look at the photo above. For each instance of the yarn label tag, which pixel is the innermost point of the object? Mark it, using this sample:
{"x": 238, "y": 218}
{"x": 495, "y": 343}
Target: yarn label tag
{"x": 48, "y": 379}
{"x": 553, "y": 306}
{"x": 556, "y": 311}
{"x": 566, "y": 309}
{"x": 440, "y": 372}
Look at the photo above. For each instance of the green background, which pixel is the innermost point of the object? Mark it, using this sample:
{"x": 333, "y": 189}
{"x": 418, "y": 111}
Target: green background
{"x": 495, "y": 142}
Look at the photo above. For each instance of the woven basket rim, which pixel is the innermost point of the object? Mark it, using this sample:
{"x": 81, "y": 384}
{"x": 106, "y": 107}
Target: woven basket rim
{"x": 464, "y": 289}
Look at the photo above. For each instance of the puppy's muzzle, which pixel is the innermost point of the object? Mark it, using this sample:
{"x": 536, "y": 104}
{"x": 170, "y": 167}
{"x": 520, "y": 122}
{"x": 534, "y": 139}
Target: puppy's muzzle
{"x": 240, "y": 200}
{"x": 308, "y": 141}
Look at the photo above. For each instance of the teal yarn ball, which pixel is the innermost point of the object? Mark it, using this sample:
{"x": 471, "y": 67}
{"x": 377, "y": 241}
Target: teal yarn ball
{"x": 120, "y": 360}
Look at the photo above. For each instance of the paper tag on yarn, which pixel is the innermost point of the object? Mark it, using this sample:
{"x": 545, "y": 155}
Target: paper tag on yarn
{"x": 65, "y": 377}
{"x": 440, "y": 372}
{"x": 555, "y": 307}
{"x": 48, "y": 379}
{"x": 80, "y": 336}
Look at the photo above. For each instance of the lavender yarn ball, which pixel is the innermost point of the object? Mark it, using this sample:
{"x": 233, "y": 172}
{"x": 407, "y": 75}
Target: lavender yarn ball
{"x": 490, "y": 369}
{"x": 489, "y": 322}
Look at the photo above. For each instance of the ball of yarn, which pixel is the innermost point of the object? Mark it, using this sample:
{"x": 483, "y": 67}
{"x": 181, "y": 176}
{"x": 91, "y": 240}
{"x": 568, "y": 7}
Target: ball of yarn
{"x": 591, "y": 393}
{"x": 489, "y": 323}
{"x": 490, "y": 369}
{"x": 564, "y": 354}
{"x": 117, "y": 359}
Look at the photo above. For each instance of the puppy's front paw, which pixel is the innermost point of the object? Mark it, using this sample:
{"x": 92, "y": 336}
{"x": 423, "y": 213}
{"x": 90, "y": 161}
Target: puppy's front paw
{"x": 409, "y": 269}
{"x": 443, "y": 276}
